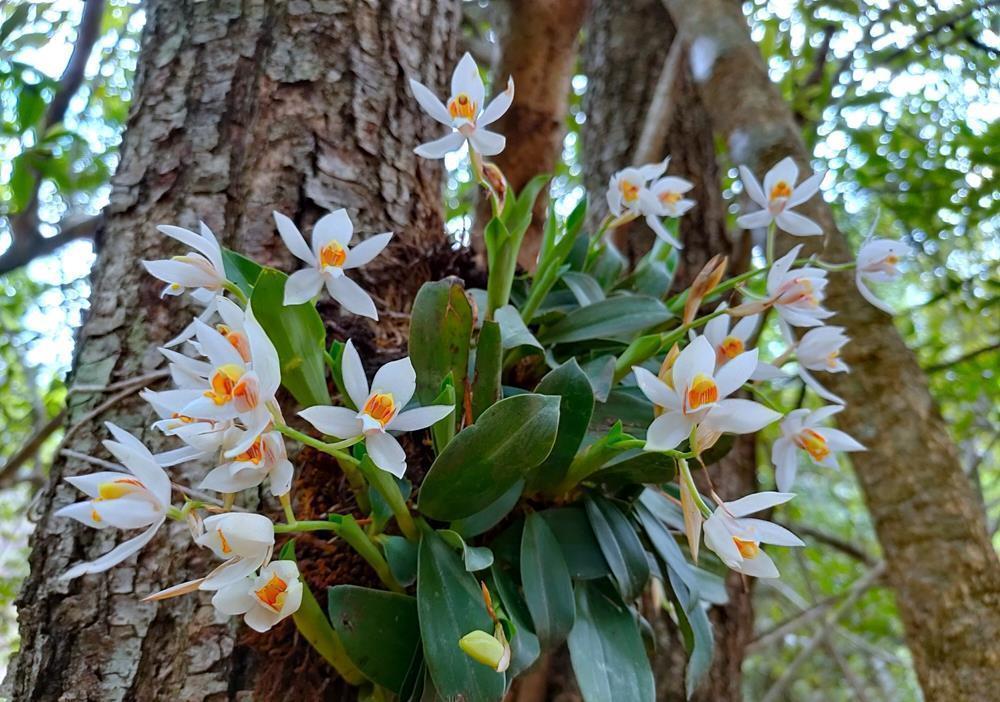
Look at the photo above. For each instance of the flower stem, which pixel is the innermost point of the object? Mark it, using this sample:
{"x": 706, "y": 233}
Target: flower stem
{"x": 236, "y": 292}
{"x": 385, "y": 485}
{"x": 286, "y": 505}
{"x": 685, "y": 475}
{"x": 304, "y": 526}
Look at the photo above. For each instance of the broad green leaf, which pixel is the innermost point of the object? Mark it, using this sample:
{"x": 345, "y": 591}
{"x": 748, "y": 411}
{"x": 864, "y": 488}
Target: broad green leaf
{"x": 585, "y": 289}
{"x": 489, "y": 364}
{"x": 475, "y": 558}
{"x": 486, "y": 459}
{"x": 620, "y": 545}
{"x": 513, "y": 332}
{"x": 576, "y": 405}
{"x": 379, "y": 631}
{"x": 548, "y": 589}
{"x": 483, "y": 521}
{"x": 298, "y": 335}
{"x": 635, "y": 467}
{"x": 625, "y": 314}
{"x": 241, "y": 270}
{"x": 601, "y": 373}
{"x": 577, "y": 541}
{"x": 450, "y": 605}
{"x": 666, "y": 547}
{"x": 440, "y": 335}
{"x": 606, "y": 648}
{"x": 518, "y": 219}
{"x": 401, "y": 555}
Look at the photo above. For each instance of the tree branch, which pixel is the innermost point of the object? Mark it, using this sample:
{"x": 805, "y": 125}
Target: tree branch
{"x": 945, "y": 365}
{"x": 653, "y": 138}
{"x": 25, "y": 249}
{"x": 30, "y": 448}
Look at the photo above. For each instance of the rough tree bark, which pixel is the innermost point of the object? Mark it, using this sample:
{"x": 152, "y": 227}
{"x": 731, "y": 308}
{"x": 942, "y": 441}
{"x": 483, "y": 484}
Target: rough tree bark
{"x": 240, "y": 108}
{"x": 941, "y": 564}
{"x": 539, "y": 51}
{"x": 626, "y": 48}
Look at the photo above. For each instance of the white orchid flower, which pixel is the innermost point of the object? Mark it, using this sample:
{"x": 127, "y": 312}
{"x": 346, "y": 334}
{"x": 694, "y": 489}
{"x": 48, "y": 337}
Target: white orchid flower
{"x": 877, "y": 263}
{"x": 669, "y": 193}
{"x": 243, "y": 540}
{"x": 265, "y": 458}
{"x": 328, "y": 258}
{"x": 800, "y": 429}
{"x": 698, "y": 395}
{"x": 819, "y": 350}
{"x": 237, "y": 388}
{"x": 124, "y": 500}
{"x": 265, "y": 599}
{"x": 627, "y": 185}
{"x": 201, "y": 270}
{"x": 778, "y": 196}
{"x": 736, "y": 539}
{"x": 378, "y": 410}
{"x": 464, "y": 112}
{"x": 798, "y": 294}
{"x": 731, "y": 342}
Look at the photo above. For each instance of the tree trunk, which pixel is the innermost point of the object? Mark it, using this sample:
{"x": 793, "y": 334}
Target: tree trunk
{"x": 623, "y": 60}
{"x": 941, "y": 564}
{"x": 239, "y": 109}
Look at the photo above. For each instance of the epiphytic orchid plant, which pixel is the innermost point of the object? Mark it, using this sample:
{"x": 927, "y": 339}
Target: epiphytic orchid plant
{"x": 569, "y": 411}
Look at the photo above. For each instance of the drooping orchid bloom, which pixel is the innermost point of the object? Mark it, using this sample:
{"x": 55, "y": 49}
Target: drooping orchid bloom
{"x": 201, "y": 270}
{"x": 379, "y": 410}
{"x": 698, "y": 394}
{"x": 797, "y": 294}
{"x": 464, "y": 112}
{"x": 265, "y": 458}
{"x": 265, "y": 599}
{"x": 640, "y": 191}
{"x": 328, "y": 259}
{"x": 801, "y": 429}
{"x": 778, "y": 196}
{"x": 877, "y": 263}
{"x": 134, "y": 499}
{"x": 819, "y": 350}
{"x": 736, "y": 538}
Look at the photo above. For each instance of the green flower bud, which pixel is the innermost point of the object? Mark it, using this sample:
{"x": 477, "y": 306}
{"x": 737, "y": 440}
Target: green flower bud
{"x": 485, "y": 649}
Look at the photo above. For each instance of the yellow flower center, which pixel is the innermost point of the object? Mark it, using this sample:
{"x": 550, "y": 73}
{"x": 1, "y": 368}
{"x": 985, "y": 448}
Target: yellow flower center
{"x": 272, "y": 595}
{"x": 333, "y": 254}
{"x": 892, "y": 259}
{"x": 670, "y": 198}
{"x": 781, "y": 189}
{"x": 380, "y": 407}
{"x": 223, "y": 382}
{"x": 254, "y": 454}
{"x": 630, "y": 191}
{"x": 831, "y": 359}
{"x": 747, "y": 548}
{"x": 702, "y": 391}
{"x": 119, "y": 488}
{"x": 237, "y": 340}
{"x": 226, "y": 548}
{"x": 731, "y": 347}
{"x": 813, "y": 443}
{"x": 94, "y": 515}
{"x": 462, "y": 106}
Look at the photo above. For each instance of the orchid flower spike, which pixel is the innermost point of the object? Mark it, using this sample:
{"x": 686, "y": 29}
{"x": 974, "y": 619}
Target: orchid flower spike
{"x": 778, "y": 196}
{"x": 877, "y": 263}
{"x": 800, "y": 429}
{"x": 736, "y": 539}
{"x": 134, "y": 499}
{"x": 265, "y": 599}
{"x": 697, "y": 396}
{"x": 632, "y": 193}
{"x": 329, "y": 257}
{"x": 378, "y": 410}
{"x": 201, "y": 270}
{"x": 464, "y": 112}
{"x": 798, "y": 294}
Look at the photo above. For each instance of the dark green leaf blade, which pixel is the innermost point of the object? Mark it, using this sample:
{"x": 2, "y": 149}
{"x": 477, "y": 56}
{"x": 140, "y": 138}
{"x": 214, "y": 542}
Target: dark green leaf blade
{"x": 620, "y": 545}
{"x": 576, "y": 405}
{"x": 440, "y": 335}
{"x": 548, "y": 589}
{"x": 625, "y": 314}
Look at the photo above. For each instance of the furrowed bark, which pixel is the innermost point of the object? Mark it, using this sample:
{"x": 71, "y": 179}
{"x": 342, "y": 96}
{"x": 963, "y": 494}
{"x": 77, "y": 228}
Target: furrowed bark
{"x": 627, "y": 46}
{"x": 539, "y": 51}
{"x": 240, "y": 109}
{"x": 941, "y": 564}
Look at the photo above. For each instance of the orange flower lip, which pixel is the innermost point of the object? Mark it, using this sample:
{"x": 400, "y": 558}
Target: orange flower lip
{"x": 462, "y": 107}
{"x": 381, "y": 407}
{"x": 702, "y": 391}
{"x": 272, "y": 595}
{"x": 813, "y": 443}
{"x": 333, "y": 254}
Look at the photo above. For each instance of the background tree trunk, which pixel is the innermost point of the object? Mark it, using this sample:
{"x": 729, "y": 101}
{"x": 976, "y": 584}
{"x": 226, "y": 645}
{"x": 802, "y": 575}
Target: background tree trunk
{"x": 239, "y": 109}
{"x": 941, "y": 564}
{"x": 623, "y": 59}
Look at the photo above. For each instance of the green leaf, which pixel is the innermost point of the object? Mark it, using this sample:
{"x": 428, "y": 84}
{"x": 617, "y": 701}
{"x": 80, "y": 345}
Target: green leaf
{"x": 513, "y": 332}
{"x": 577, "y": 541}
{"x": 601, "y": 373}
{"x": 666, "y": 547}
{"x": 483, "y": 521}
{"x": 17, "y": 17}
{"x": 548, "y": 589}
{"x": 440, "y": 336}
{"x": 576, "y": 405}
{"x": 401, "y": 555}
{"x": 30, "y": 106}
{"x": 241, "y": 270}
{"x": 379, "y": 631}
{"x": 486, "y": 459}
{"x": 606, "y": 648}
{"x": 620, "y": 545}
{"x": 298, "y": 335}
{"x": 476, "y": 558}
{"x": 585, "y": 289}
{"x": 635, "y": 467}
{"x": 625, "y": 314}
{"x": 443, "y": 430}
{"x": 518, "y": 219}
{"x": 450, "y": 605}
{"x": 315, "y": 628}
{"x": 22, "y": 180}
{"x": 489, "y": 364}
{"x": 524, "y": 645}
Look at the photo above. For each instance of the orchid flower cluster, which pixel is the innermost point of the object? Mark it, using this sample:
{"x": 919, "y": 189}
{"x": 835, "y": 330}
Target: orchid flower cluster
{"x": 536, "y": 461}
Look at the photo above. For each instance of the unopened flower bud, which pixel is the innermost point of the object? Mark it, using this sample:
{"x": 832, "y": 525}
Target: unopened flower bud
{"x": 706, "y": 280}
{"x": 665, "y": 374}
{"x": 486, "y": 649}
{"x": 497, "y": 182}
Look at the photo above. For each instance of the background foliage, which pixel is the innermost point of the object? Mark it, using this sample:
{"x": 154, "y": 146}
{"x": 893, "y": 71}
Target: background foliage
{"x": 899, "y": 100}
